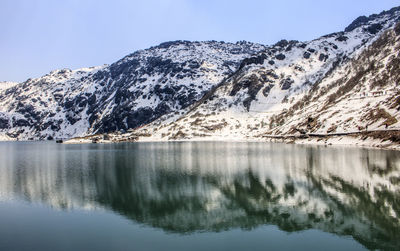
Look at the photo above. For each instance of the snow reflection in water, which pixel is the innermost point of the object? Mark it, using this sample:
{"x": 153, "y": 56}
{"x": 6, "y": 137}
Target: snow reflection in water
{"x": 209, "y": 187}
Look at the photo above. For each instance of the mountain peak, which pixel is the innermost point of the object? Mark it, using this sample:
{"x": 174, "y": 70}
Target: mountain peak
{"x": 364, "y": 20}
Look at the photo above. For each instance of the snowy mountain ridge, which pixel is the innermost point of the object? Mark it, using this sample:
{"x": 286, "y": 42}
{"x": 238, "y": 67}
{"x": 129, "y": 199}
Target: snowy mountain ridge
{"x": 190, "y": 90}
{"x": 129, "y": 93}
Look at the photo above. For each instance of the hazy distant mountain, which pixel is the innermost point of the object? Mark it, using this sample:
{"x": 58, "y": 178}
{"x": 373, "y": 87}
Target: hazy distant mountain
{"x": 206, "y": 89}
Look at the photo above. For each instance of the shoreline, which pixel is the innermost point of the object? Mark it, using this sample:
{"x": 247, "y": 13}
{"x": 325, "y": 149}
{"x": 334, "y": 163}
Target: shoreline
{"x": 363, "y": 140}
{"x": 345, "y": 141}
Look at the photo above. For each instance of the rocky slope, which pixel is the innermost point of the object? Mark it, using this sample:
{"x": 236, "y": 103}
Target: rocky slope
{"x": 340, "y": 82}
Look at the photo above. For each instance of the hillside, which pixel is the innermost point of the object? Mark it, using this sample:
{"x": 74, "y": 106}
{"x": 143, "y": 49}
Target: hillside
{"x": 129, "y": 93}
{"x": 340, "y": 83}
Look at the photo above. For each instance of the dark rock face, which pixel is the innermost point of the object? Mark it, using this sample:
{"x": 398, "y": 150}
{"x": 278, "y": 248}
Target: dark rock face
{"x": 253, "y": 85}
{"x": 323, "y": 57}
{"x": 357, "y": 23}
{"x": 271, "y": 73}
{"x": 342, "y": 38}
{"x": 374, "y": 28}
{"x": 253, "y": 60}
{"x": 282, "y": 43}
{"x": 311, "y": 50}
{"x": 286, "y": 83}
{"x": 397, "y": 28}
{"x": 21, "y": 122}
{"x": 280, "y": 56}
{"x": 307, "y": 55}
{"x": 4, "y": 124}
{"x": 287, "y": 45}
{"x": 303, "y": 45}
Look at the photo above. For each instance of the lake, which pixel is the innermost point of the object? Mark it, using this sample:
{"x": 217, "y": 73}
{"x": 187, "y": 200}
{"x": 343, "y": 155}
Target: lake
{"x": 197, "y": 196}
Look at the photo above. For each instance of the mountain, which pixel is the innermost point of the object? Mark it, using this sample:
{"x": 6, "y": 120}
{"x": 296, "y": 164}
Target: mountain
{"x": 178, "y": 90}
{"x": 127, "y": 94}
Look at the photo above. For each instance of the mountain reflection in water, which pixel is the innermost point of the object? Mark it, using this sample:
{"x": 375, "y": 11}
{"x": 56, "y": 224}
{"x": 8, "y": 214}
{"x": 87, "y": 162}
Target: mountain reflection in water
{"x": 211, "y": 187}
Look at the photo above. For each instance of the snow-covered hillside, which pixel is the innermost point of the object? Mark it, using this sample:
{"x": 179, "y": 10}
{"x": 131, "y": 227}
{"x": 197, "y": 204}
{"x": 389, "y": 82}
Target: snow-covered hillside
{"x": 127, "y": 94}
{"x": 340, "y": 82}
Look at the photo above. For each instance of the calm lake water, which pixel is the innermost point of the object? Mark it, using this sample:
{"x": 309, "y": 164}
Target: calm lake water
{"x": 197, "y": 196}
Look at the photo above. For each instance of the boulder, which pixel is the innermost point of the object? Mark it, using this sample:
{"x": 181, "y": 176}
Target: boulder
{"x": 307, "y": 55}
{"x": 280, "y": 56}
{"x": 286, "y": 83}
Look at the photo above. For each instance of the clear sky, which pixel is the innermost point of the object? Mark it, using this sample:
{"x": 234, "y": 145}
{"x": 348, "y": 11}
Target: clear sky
{"x": 37, "y": 36}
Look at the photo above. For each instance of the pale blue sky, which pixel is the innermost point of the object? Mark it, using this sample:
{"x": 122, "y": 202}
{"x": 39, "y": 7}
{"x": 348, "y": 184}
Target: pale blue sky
{"x": 37, "y": 36}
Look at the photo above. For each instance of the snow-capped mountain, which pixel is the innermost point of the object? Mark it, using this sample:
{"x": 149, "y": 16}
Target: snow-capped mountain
{"x": 129, "y": 93}
{"x": 186, "y": 90}
{"x": 338, "y": 83}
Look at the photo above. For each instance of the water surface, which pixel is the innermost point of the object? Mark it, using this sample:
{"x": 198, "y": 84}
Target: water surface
{"x": 197, "y": 196}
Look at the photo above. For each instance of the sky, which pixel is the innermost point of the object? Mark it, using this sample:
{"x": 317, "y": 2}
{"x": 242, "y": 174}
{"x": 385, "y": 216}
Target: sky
{"x": 37, "y": 36}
